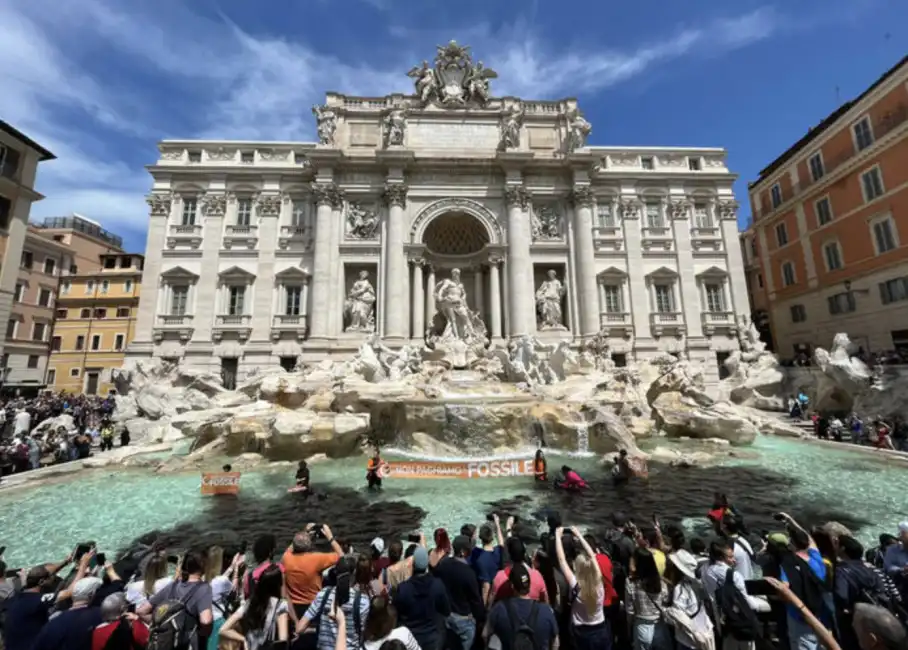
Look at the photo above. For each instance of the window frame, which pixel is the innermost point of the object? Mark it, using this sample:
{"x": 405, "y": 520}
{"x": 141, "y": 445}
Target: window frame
{"x": 794, "y": 275}
{"x": 799, "y": 310}
{"x": 854, "y": 132}
{"x": 834, "y": 244}
{"x": 617, "y": 292}
{"x": 816, "y": 210}
{"x": 773, "y": 189}
{"x": 818, "y": 156}
{"x": 784, "y": 230}
{"x": 879, "y": 174}
{"x": 185, "y": 202}
{"x": 669, "y": 287}
{"x": 893, "y": 231}
{"x": 244, "y": 209}
{"x": 185, "y": 300}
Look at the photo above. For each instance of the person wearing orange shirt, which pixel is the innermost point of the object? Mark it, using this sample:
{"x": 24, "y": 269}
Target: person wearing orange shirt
{"x": 373, "y": 475}
{"x": 540, "y": 467}
{"x": 303, "y": 567}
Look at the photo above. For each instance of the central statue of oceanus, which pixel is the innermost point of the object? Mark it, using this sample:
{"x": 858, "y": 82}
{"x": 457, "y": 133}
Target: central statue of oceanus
{"x": 454, "y": 323}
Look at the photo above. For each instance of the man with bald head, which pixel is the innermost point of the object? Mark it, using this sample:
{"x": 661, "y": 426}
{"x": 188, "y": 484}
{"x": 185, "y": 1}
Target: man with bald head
{"x": 303, "y": 567}
{"x": 877, "y": 629}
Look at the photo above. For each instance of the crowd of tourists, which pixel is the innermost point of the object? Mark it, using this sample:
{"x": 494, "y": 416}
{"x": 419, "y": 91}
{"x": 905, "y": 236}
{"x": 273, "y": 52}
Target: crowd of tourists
{"x": 640, "y": 587}
{"x": 890, "y": 433}
{"x": 25, "y": 444}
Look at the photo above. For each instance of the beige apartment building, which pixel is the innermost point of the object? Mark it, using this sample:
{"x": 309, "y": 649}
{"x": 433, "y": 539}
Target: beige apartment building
{"x": 19, "y": 158}
{"x": 828, "y": 248}
{"x": 31, "y": 319}
{"x": 55, "y": 252}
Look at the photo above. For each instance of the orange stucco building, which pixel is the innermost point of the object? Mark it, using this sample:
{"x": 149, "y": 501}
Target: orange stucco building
{"x": 825, "y": 251}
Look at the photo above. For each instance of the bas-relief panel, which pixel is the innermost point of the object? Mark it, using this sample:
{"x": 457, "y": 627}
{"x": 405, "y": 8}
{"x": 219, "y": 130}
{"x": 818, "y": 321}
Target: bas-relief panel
{"x": 452, "y": 135}
{"x": 364, "y": 134}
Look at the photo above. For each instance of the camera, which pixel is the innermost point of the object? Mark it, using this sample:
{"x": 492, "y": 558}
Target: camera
{"x": 778, "y": 517}
{"x": 101, "y": 559}
{"x": 414, "y": 538}
{"x": 173, "y": 559}
{"x": 82, "y": 549}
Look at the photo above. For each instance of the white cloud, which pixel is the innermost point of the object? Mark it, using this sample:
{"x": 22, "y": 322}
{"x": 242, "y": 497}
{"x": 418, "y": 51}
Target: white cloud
{"x": 99, "y": 81}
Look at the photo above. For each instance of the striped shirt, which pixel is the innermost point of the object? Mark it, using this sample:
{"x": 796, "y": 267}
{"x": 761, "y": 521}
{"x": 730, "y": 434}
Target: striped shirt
{"x": 327, "y": 629}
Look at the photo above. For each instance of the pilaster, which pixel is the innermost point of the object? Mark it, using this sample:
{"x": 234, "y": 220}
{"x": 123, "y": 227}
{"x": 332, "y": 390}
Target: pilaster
{"x": 680, "y": 214}
{"x": 585, "y": 255}
{"x": 327, "y": 196}
{"x": 520, "y": 264}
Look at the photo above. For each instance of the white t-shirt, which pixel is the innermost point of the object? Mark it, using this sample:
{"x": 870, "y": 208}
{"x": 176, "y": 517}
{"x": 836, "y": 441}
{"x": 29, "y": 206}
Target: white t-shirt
{"x": 135, "y": 591}
{"x": 579, "y": 613}
{"x": 402, "y": 634}
{"x": 743, "y": 557}
{"x": 23, "y": 422}
{"x": 221, "y": 586}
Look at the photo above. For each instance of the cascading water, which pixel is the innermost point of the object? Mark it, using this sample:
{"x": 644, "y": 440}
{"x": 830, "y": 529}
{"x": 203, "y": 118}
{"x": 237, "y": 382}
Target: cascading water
{"x": 583, "y": 440}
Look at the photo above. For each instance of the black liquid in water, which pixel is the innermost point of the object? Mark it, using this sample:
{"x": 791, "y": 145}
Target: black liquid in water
{"x": 357, "y": 516}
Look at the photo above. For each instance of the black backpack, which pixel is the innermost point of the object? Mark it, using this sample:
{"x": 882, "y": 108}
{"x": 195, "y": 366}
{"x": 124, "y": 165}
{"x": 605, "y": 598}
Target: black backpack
{"x": 739, "y": 621}
{"x": 172, "y": 626}
{"x": 524, "y": 632}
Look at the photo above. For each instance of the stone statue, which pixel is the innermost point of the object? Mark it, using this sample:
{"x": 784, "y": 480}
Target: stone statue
{"x": 510, "y": 127}
{"x": 546, "y": 222}
{"x": 451, "y": 301}
{"x": 361, "y": 223}
{"x": 425, "y": 81}
{"x": 477, "y": 83}
{"x": 579, "y": 129}
{"x": 326, "y": 120}
{"x": 395, "y": 127}
{"x": 360, "y": 305}
{"x": 548, "y": 303}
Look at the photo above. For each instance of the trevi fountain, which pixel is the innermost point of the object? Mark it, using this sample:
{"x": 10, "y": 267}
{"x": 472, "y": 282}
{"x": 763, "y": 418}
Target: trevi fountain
{"x": 586, "y": 379}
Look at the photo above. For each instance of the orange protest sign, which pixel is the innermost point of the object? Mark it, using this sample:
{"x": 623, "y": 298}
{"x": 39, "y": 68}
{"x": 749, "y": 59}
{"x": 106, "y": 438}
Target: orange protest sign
{"x": 471, "y": 469}
{"x": 221, "y": 483}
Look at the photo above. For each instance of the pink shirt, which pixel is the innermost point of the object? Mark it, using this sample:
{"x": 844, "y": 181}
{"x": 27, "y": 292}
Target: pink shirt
{"x": 256, "y": 574}
{"x": 573, "y": 478}
{"x": 502, "y": 588}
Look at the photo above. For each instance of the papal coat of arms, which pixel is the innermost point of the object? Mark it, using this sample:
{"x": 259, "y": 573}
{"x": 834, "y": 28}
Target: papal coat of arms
{"x": 454, "y": 80}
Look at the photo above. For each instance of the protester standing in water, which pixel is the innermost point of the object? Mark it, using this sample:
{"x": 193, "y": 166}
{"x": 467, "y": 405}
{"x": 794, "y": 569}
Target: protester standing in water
{"x": 302, "y": 477}
{"x": 373, "y": 471}
{"x": 540, "y": 467}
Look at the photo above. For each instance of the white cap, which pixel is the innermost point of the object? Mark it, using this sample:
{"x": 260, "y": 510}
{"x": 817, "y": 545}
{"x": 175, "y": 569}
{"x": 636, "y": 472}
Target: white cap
{"x": 903, "y": 527}
{"x": 378, "y": 544}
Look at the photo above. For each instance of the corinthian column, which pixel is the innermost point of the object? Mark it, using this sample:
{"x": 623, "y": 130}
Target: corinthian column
{"x": 417, "y": 307}
{"x": 520, "y": 265}
{"x": 585, "y": 258}
{"x": 495, "y": 298}
{"x": 397, "y": 323}
{"x": 327, "y": 198}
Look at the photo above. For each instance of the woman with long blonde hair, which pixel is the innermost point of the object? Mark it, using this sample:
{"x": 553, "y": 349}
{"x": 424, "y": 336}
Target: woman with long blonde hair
{"x": 154, "y": 579}
{"x": 589, "y": 627}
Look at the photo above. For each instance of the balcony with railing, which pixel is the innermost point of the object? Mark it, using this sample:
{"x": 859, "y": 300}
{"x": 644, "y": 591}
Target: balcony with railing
{"x": 239, "y": 325}
{"x": 667, "y": 322}
{"x": 292, "y": 324}
{"x": 173, "y": 324}
{"x": 832, "y": 163}
{"x": 240, "y": 236}
{"x": 294, "y": 237}
{"x": 706, "y": 237}
{"x": 714, "y": 321}
{"x": 184, "y": 234}
{"x": 616, "y": 323}
{"x": 608, "y": 237}
{"x": 658, "y": 237}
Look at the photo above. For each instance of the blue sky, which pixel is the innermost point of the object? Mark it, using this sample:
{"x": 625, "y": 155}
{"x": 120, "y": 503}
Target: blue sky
{"x": 99, "y": 82}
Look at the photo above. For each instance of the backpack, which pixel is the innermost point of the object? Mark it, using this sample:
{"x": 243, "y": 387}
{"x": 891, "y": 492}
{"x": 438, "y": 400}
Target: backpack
{"x": 172, "y": 626}
{"x": 738, "y": 620}
{"x": 698, "y": 627}
{"x": 122, "y": 637}
{"x": 524, "y": 632}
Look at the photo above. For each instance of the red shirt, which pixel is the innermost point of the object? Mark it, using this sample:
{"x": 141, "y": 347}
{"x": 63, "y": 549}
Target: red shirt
{"x": 103, "y": 632}
{"x": 605, "y": 567}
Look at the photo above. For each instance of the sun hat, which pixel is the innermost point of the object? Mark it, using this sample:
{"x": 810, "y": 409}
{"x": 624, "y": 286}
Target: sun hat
{"x": 685, "y": 563}
{"x": 378, "y": 544}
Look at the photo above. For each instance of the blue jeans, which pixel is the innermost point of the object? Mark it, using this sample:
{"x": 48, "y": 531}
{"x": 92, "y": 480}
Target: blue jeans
{"x": 464, "y": 628}
{"x": 801, "y": 636}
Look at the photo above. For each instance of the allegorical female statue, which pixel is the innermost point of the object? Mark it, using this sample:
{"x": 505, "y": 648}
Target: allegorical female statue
{"x": 548, "y": 302}
{"x": 360, "y": 305}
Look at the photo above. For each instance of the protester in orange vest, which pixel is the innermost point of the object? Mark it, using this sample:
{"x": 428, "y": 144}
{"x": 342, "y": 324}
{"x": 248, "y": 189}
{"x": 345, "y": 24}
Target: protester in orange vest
{"x": 373, "y": 478}
{"x": 539, "y": 467}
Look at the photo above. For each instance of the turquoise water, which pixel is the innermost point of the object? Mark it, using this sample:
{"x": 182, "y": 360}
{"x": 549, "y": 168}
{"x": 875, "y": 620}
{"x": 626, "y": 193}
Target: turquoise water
{"x": 114, "y": 507}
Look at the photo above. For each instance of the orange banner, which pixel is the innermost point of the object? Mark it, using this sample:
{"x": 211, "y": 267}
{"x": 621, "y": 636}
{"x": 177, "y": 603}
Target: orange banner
{"x": 472, "y": 469}
{"x": 221, "y": 483}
